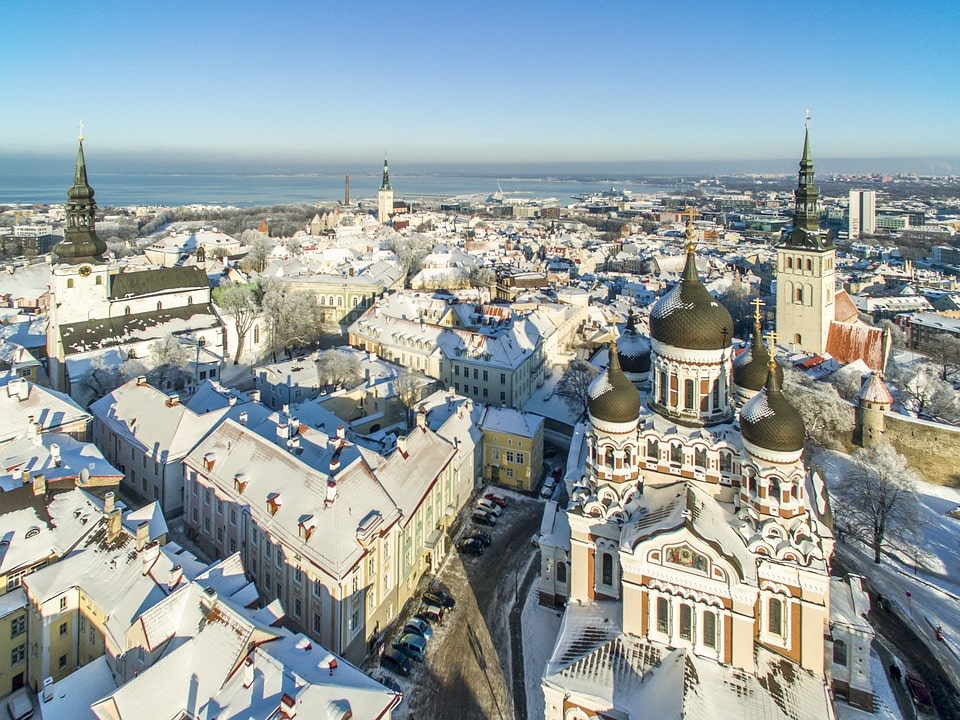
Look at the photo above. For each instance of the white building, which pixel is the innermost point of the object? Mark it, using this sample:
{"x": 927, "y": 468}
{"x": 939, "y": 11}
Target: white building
{"x": 862, "y": 213}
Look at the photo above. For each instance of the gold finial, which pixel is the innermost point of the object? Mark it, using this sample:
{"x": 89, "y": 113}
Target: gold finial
{"x": 757, "y": 304}
{"x": 806, "y": 123}
{"x": 691, "y": 214}
{"x": 80, "y": 136}
{"x": 772, "y": 339}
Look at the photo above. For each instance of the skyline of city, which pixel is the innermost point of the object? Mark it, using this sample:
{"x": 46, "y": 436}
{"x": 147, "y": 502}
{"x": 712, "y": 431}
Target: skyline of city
{"x": 434, "y": 83}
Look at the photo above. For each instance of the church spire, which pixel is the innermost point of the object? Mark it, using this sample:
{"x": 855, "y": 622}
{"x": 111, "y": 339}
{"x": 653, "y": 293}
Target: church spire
{"x": 80, "y": 243}
{"x": 386, "y": 174}
{"x": 806, "y": 211}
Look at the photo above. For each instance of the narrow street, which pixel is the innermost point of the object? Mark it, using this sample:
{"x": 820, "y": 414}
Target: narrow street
{"x": 468, "y": 671}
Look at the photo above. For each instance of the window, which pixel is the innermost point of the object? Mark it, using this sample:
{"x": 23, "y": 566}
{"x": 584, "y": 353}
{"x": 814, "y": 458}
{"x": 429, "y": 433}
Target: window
{"x": 476, "y": 374}
{"x": 219, "y": 535}
{"x": 726, "y": 462}
{"x": 233, "y": 516}
{"x": 653, "y": 449}
{"x": 233, "y": 545}
{"x": 503, "y": 378}
{"x": 688, "y": 394}
{"x": 710, "y": 629}
{"x": 663, "y": 615}
{"x": 298, "y": 575}
{"x": 509, "y": 472}
{"x": 503, "y": 397}
{"x": 686, "y": 622}
{"x": 19, "y": 654}
{"x": 69, "y": 282}
{"x": 799, "y": 297}
{"x": 775, "y": 616}
{"x": 606, "y": 574}
{"x": 316, "y": 623}
{"x": 297, "y": 607}
{"x": 219, "y": 506}
{"x": 63, "y": 629}
{"x": 676, "y": 454}
{"x": 790, "y": 263}
{"x": 63, "y": 604}
{"x": 18, "y": 626}
{"x": 700, "y": 457}
{"x": 63, "y": 661}
{"x": 99, "y": 280}
{"x": 509, "y": 456}
{"x": 839, "y": 653}
{"x": 486, "y": 375}
{"x": 519, "y": 458}
{"x": 317, "y": 588}
{"x": 561, "y": 572}
{"x": 456, "y": 370}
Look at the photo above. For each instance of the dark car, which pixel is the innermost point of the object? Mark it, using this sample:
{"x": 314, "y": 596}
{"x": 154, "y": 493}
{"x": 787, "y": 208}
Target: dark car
{"x": 433, "y": 614}
{"x": 396, "y": 662}
{"x": 483, "y": 537}
{"x": 412, "y": 645}
{"x": 439, "y": 598}
{"x": 389, "y": 682}
{"x": 470, "y": 546}
{"x": 482, "y": 518}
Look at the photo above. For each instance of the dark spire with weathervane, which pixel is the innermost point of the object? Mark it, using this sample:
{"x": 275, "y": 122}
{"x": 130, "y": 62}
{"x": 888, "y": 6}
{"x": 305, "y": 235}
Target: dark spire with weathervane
{"x": 386, "y": 174}
{"x": 806, "y": 233}
{"x": 80, "y": 243}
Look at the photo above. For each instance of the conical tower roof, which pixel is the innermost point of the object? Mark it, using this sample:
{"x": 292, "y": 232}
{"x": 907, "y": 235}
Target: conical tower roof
{"x": 80, "y": 243}
{"x": 769, "y": 421}
{"x": 611, "y": 396}
{"x": 688, "y": 316}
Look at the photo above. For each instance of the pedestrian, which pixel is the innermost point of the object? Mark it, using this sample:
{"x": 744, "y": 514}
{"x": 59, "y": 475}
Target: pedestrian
{"x": 895, "y": 672}
{"x": 880, "y": 602}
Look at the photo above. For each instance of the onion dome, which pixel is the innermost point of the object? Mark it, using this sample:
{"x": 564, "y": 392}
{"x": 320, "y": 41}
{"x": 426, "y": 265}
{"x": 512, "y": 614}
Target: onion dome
{"x": 751, "y": 366}
{"x": 611, "y": 397}
{"x": 633, "y": 349}
{"x": 80, "y": 243}
{"x": 769, "y": 421}
{"x": 688, "y": 316}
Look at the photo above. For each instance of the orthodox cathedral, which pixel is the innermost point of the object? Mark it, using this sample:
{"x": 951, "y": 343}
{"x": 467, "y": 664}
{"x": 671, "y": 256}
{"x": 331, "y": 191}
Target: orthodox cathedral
{"x": 693, "y": 555}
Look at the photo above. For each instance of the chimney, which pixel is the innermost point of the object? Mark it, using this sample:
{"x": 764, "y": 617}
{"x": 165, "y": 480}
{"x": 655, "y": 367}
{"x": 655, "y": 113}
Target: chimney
{"x": 26, "y": 477}
{"x": 248, "y": 672}
{"x": 232, "y": 400}
{"x": 208, "y": 601}
{"x": 47, "y": 689}
{"x": 113, "y": 524}
{"x": 108, "y": 503}
{"x": 173, "y": 400}
{"x": 55, "y": 455}
{"x": 39, "y": 484}
{"x": 243, "y": 417}
{"x": 141, "y": 380}
{"x": 176, "y": 575}
{"x": 422, "y": 418}
{"x": 255, "y": 396}
{"x": 143, "y": 535}
{"x": 331, "y": 492}
{"x": 150, "y": 554}
{"x": 288, "y": 707}
{"x": 285, "y": 409}
{"x": 402, "y": 445}
{"x": 341, "y": 432}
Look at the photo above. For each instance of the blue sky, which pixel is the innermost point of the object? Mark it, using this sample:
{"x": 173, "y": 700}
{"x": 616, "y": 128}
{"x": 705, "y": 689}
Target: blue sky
{"x": 483, "y": 81}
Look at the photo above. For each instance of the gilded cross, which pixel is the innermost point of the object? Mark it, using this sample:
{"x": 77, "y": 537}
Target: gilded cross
{"x": 757, "y": 304}
{"x": 80, "y": 136}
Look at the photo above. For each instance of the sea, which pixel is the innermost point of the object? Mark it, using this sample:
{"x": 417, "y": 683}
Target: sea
{"x": 264, "y": 189}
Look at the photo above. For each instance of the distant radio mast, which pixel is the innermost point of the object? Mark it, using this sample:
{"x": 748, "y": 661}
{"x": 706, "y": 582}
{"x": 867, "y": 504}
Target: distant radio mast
{"x": 346, "y": 189}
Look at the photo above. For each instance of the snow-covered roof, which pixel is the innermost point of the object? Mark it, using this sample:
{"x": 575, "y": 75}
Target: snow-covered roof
{"x": 19, "y": 399}
{"x": 514, "y": 422}
{"x": 72, "y": 696}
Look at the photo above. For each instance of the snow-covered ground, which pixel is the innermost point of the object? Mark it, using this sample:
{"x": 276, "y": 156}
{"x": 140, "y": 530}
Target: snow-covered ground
{"x": 931, "y": 576}
{"x": 540, "y": 627}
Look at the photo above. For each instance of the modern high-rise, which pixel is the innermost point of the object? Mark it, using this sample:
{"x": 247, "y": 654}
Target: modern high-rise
{"x": 863, "y": 213}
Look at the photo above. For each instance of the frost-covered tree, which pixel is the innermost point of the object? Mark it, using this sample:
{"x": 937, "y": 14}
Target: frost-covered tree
{"x": 241, "y": 303}
{"x": 923, "y": 391}
{"x": 294, "y": 316}
{"x": 877, "y": 503}
{"x": 259, "y": 247}
{"x": 169, "y": 364}
{"x": 826, "y": 417}
{"x": 574, "y": 384}
{"x": 338, "y": 367}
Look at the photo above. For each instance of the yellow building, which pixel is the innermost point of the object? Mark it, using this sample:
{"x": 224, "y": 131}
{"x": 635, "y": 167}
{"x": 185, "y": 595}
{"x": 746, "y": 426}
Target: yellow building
{"x": 512, "y": 447}
{"x": 13, "y": 641}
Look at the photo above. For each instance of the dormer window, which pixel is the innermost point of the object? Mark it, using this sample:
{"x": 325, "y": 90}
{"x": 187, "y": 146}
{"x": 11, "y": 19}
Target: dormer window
{"x": 306, "y": 526}
{"x": 273, "y": 503}
{"x": 240, "y": 481}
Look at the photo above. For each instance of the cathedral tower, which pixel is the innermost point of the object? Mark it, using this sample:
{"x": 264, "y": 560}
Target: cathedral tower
{"x": 385, "y": 196}
{"x": 805, "y": 270}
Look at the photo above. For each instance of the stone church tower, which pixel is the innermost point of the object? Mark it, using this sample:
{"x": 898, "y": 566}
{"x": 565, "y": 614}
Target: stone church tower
{"x": 385, "y": 197}
{"x": 805, "y": 270}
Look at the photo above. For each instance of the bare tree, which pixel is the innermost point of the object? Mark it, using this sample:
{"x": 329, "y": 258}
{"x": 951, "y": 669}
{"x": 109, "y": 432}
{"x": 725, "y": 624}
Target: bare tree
{"x": 826, "y": 417}
{"x": 923, "y": 391}
{"x": 409, "y": 388}
{"x": 482, "y": 277}
{"x": 240, "y": 302}
{"x": 878, "y": 502}
{"x": 945, "y": 352}
{"x": 736, "y": 298}
{"x": 99, "y": 380}
{"x": 575, "y": 383}
{"x": 169, "y": 364}
{"x": 338, "y": 367}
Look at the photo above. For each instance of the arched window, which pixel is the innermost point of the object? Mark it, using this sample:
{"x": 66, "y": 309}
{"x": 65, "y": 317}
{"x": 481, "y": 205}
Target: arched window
{"x": 799, "y": 295}
{"x": 159, "y": 305}
{"x": 653, "y": 449}
{"x": 700, "y": 457}
{"x": 676, "y": 453}
{"x": 561, "y": 572}
{"x": 839, "y": 652}
{"x": 126, "y": 310}
{"x": 323, "y": 300}
{"x": 99, "y": 280}
{"x": 608, "y": 457}
{"x": 189, "y": 299}
{"x": 775, "y": 489}
{"x": 663, "y": 615}
{"x": 809, "y": 264}
{"x": 796, "y": 339}
{"x": 606, "y": 569}
{"x": 790, "y": 263}
{"x": 688, "y": 394}
{"x": 686, "y": 622}
{"x": 340, "y": 301}
{"x": 662, "y": 388}
{"x": 330, "y": 301}
{"x": 710, "y": 629}
{"x": 775, "y": 616}
{"x": 726, "y": 461}
{"x": 69, "y": 282}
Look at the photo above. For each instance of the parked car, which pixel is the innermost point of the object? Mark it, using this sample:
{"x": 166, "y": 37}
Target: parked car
{"x": 470, "y": 546}
{"x": 411, "y": 645}
{"x": 483, "y": 518}
{"x": 431, "y": 613}
{"x": 440, "y": 598}
{"x": 489, "y": 507}
{"x": 418, "y": 627}
{"x": 548, "y": 488}
{"x": 919, "y": 692}
{"x": 496, "y": 498}
{"x": 396, "y": 662}
{"x": 389, "y": 682}
{"x": 484, "y": 537}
